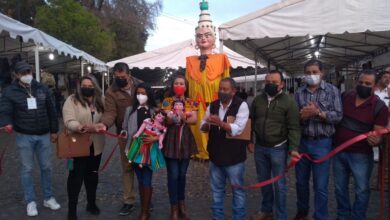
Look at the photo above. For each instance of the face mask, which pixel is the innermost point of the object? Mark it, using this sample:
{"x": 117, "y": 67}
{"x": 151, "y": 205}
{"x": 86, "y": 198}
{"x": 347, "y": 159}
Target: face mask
{"x": 87, "y": 92}
{"x": 312, "y": 80}
{"x": 224, "y": 97}
{"x": 142, "y": 99}
{"x": 26, "y": 79}
{"x": 363, "y": 91}
{"x": 271, "y": 89}
{"x": 121, "y": 82}
{"x": 179, "y": 90}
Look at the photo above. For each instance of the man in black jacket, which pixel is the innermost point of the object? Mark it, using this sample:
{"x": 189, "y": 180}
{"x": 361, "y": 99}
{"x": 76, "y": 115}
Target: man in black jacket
{"x": 28, "y": 107}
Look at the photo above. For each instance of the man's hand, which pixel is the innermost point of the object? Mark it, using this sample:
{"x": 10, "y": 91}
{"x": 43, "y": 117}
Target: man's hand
{"x": 214, "y": 119}
{"x": 294, "y": 153}
{"x": 148, "y": 139}
{"x": 53, "y": 137}
{"x": 374, "y": 140}
{"x": 100, "y": 127}
{"x": 309, "y": 111}
{"x": 251, "y": 148}
{"x": 9, "y": 129}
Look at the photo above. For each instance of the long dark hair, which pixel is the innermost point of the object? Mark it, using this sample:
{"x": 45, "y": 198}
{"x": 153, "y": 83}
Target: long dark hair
{"x": 151, "y": 102}
{"x": 185, "y": 83}
{"x": 97, "y": 99}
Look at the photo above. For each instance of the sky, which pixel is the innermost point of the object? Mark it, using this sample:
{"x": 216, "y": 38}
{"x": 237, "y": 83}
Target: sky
{"x": 179, "y": 18}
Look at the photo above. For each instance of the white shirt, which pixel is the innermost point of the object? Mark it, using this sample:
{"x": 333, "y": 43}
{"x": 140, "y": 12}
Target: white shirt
{"x": 383, "y": 95}
{"x": 238, "y": 125}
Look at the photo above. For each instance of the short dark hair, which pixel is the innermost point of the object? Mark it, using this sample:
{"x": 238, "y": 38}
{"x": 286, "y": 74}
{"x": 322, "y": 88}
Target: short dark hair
{"x": 277, "y": 72}
{"x": 230, "y": 80}
{"x": 119, "y": 67}
{"x": 313, "y": 62}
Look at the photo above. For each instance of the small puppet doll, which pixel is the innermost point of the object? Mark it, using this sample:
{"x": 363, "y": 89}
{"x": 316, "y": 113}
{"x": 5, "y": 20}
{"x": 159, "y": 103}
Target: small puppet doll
{"x": 149, "y": 154}
{"x": 177, "y": 111}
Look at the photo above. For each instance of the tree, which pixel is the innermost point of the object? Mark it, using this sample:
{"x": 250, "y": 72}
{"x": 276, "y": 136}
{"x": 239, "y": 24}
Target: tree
{"x": 130, "y": 20}
{"x": 21, "y": 10}
{"x": 69, "y": 21}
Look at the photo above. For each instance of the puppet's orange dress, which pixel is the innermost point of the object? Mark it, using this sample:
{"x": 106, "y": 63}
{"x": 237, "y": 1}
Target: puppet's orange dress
{"x": 203, "y": 88}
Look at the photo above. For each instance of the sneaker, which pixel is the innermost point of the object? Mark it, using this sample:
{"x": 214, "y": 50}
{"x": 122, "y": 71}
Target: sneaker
{"x": 126, "y": 209}
{"x": 262, "y": 216}
{"x": 51, "y": 204}
{"x": 32, "y": 209}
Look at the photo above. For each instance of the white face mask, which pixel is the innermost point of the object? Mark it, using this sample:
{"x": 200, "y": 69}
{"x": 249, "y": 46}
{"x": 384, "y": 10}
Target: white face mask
{"x": 142, "y": 99}
{"x": 313, "y": 79}
{"x": 26, "y": 79}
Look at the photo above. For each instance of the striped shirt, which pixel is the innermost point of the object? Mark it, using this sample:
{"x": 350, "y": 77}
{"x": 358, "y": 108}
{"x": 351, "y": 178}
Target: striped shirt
{"x": 327, "y": 98}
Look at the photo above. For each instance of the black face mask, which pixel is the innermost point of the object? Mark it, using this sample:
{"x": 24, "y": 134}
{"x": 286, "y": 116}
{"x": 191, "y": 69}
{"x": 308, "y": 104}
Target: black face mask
{"x": 121, "y": 82}
{"x": 363, "y": 91}
{"x": 87, "y": 92}
{"x": 224, "y": 97}
{"x": 271, "y": 89}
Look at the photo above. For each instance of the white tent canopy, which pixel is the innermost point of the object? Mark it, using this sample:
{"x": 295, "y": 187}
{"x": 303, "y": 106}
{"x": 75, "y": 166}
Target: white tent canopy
{"x": 174, "y": 57}
{"x": 19, "y": 37}
{"x": 289, "y": 33}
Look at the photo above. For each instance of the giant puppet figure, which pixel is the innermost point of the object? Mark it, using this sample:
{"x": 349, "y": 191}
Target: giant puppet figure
{"x": 204, "y": 73}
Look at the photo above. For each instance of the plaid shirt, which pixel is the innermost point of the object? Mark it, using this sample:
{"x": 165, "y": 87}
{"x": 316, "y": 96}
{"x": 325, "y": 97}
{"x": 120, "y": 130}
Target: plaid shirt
{"x": 327, "y": 97}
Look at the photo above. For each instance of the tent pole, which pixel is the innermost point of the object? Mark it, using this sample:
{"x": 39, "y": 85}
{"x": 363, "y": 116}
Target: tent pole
{"x": 82, "y": 68}
{"x": 103, "y": 73}
{"x": 37, "y": 72}
{"x": 108, "y": 76}
{"x": 221, "y": 46}
{"x": 255, "y": 86}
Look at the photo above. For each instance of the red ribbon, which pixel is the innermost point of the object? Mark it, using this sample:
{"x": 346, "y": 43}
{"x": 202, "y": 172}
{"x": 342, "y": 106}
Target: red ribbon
{"x": 107, "y": 161}
{"x": 295, "y": 160}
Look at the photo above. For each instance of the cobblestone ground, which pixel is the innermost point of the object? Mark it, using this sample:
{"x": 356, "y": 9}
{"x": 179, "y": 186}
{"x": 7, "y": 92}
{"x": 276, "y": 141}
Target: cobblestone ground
{"x": 109, "y": 191}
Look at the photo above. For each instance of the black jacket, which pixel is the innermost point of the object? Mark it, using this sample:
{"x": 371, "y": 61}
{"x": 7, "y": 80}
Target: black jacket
{"x": 14, "y": 111}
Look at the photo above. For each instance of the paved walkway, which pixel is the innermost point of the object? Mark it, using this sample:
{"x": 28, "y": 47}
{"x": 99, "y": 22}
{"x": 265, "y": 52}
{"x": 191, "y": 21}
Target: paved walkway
{"x": 109, "y": 191}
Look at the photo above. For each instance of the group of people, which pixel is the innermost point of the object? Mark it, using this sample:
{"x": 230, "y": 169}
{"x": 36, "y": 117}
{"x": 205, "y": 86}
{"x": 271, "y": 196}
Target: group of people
{"x": 204, "y": 118}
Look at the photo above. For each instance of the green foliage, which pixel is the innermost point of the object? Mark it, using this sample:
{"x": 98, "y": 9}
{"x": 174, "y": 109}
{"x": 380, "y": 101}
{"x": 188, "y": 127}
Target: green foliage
{"x": 69, "y": 21}
{"x": 21, "y": 10}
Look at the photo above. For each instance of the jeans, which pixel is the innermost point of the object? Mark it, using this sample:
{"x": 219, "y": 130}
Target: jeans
{"x": 144, "y": 175}
{"x": 315, "y": 149}
{"x": 235, "y": 174}
{"x": 28, "y": 146}
{"x": 360, "y": 166}
{"x": 176, "y": 173}
{"x": 271, "y": 162}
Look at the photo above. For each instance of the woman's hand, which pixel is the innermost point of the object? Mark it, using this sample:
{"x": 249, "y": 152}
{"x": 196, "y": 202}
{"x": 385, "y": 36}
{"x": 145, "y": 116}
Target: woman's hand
{"x": 148, "y": 139}
{"x": 90, "y": 128}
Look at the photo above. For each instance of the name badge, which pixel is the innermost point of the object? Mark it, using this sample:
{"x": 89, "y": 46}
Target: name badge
{"x": 31, "y": 103}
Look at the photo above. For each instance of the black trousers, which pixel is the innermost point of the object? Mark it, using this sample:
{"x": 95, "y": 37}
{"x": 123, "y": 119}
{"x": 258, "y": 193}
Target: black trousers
{"x": 85, "y": 169}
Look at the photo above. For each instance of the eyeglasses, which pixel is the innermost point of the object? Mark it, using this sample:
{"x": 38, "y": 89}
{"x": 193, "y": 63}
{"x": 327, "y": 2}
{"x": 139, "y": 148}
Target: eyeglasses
{"x": 205, "y": 35}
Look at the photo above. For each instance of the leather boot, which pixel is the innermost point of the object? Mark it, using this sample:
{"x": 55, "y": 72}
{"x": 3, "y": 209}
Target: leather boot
{"x": 147, "y": 196}
{"x": 183, "y": 213}
{"x": 175, "y": 212}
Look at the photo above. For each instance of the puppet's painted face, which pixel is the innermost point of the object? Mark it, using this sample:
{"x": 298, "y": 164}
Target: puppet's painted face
{"x": 178, "y": 106}
{"x": 159, "y": 117}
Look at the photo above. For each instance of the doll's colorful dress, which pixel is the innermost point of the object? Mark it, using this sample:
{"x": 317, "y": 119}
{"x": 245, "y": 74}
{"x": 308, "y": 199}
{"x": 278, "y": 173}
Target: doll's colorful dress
{"x": 147, "y": 154}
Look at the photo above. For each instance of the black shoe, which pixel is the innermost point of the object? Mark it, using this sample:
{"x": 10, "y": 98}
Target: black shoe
{"x": 93, "y": 209}
{"x": 126, "y": 209}
{"x": 72, "y": 216}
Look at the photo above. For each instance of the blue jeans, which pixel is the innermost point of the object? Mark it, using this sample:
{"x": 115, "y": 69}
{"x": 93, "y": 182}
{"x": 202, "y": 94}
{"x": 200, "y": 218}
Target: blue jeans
{"x": 176, "y": 173}
{"x": 28, "y": 145}
{"x": 316, "y": 149}
{"x": 271, "y": 162}
{"x": 144, "y": 175}
{"x": 218, "y": 176}
{"x": 360, "y": 166}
